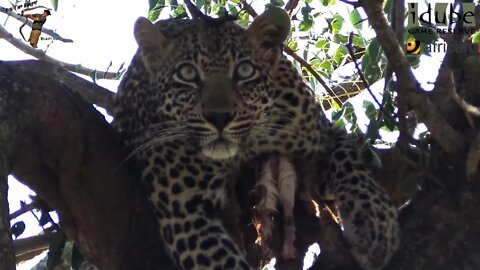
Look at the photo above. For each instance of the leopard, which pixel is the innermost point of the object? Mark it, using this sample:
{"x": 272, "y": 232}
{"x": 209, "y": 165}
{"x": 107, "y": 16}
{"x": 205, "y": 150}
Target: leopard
{"x": 200, "y": 98}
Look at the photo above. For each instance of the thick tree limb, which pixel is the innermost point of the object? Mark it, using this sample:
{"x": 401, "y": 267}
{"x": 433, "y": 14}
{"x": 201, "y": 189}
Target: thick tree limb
{"x": 7, "y": 253}
{"x": 68, "y": 154}
{"x": 25, "y": 247}
{"x": 91, "y": 92}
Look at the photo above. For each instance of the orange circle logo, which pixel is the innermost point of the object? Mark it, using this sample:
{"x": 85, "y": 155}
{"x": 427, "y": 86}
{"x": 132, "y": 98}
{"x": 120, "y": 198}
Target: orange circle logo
{"x": 413, "y": 47}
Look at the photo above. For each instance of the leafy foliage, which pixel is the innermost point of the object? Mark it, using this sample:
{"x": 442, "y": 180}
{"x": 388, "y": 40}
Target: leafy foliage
{"x": 320, "y": 34}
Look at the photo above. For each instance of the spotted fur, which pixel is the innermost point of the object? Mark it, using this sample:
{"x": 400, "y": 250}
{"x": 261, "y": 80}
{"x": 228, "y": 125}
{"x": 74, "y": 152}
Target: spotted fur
{"x": 200, "y": 98}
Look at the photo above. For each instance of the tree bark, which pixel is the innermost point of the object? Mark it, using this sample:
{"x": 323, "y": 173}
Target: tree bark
{"x": 7, "y": 253}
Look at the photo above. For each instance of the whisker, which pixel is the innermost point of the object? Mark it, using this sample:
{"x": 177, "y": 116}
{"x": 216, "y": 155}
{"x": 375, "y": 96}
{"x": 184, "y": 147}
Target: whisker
{"x": 263, "y": 129}
{"x": 149, "y": 144}
{"x": 161, "y": 124}
{"x": 157, "y": 134}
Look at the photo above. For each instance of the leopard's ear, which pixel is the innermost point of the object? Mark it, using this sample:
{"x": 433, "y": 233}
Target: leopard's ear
{"x": 268, "y": 32}
{"x": 152, "y": 44}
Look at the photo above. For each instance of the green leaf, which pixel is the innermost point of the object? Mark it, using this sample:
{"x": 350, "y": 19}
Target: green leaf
{"x": 413, "y": 60}
{"x": 243, "y": 23}
{"x": 326, "y": 66}
{"x": 307, "y": 21}
{"x": 350, "y": 115}
{"x": 388, "y": 6}
{"x": 356, "y": 19}
{"x": 54, "y": 4}
{"x": 374, "y": 50}
{"x": 336, "y": 115}
{"x": 371, "y": 62}
{"x": 306, "y": 10}
{"x": 370, "y": 157}
{"x": 340, "y": 39}
{"x": 278, "y": 3}
{"x": 476, "y": 38}
{"x": 199, "y": 3}
{"x": 18, "y": 228}
{"x": 292, "y": 44}
{"x": 93, "y": 76}
{"x": 154, "y": 12}
{"x": 340, "y": 54}
{"x": 340, "y": 123}
{"x": 180, "y": 12}
{"x": 372, "y": 131}
{"x": 232, "y": 10}
{"x": 305, "y": 25}
{"x": 315, "y": 62}
{"x": 323, "y": 44}
{"x": 358, "y": 41}
{"x": 337, "y": 23}
{"x": 388, "y": 108}
{"x": 328, "y": 2}
{"x": 370, "y": 110}
{"x": 222, "y": 11}
{"x": 151, "y": 4}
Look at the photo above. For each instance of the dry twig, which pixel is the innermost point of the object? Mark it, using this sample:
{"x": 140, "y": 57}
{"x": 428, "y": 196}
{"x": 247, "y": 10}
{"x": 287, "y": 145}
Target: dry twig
{"x": 41, "y": 55}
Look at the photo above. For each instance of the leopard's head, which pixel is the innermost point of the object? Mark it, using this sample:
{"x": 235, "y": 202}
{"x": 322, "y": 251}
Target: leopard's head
{"x": 214, "y": 81}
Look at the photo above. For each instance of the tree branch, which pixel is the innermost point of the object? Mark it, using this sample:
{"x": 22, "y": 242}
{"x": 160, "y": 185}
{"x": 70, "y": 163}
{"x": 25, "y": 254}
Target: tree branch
{"x": 312, "y": 71}
{"x": 91, "y": 92}
{"x": 7, "y": 253}
{"x": 249, "y": 9}
{"x": 41, "y": 55}
{"x": 449, "y": 139}
{"x": 355, "y": 4}
{"x": 360, "y": 73}
{"x": 469, "y": 108}
{"x": 31, "y": 245}
{"x": 24, "y": 209}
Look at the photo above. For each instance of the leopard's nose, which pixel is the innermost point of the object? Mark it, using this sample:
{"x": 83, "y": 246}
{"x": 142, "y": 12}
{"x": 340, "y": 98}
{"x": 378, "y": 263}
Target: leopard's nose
{"x": 219, "y": 120}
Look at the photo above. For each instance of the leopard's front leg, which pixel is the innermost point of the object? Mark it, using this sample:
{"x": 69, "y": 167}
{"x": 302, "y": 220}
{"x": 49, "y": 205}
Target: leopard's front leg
{"x": 188, "y": 191}
{"x": 368, "y": 217}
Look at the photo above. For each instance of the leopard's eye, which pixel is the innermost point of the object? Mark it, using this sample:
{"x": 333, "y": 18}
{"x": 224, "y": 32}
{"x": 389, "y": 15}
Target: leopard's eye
{"x": 187, "y": 72}
{"x": 245, "y": 70}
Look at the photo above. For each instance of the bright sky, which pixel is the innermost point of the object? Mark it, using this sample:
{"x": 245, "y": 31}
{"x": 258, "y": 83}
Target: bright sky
{"x": 102, "y": 31}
